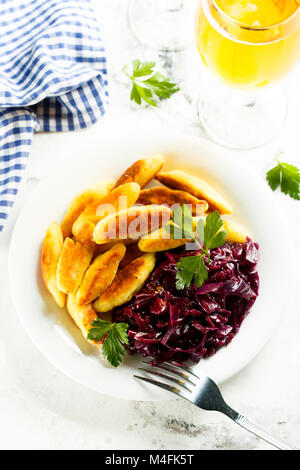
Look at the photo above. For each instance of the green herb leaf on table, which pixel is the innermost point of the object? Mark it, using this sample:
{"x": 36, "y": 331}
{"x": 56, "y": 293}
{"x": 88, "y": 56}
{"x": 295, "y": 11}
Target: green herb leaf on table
{"x": 142, "y": 69}
{"x": 148, "y": 83}
{"x": 112, "y": 347}
{"x": 287, "y": 177}
{"x": 208, "y": 235}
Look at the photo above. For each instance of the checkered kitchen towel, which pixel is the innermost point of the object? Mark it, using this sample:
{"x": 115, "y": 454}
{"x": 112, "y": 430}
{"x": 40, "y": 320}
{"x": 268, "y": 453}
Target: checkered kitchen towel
{"x": 52, "y": 78}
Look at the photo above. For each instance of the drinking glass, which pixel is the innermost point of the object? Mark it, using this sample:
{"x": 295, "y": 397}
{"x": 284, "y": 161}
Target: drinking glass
{"x": 247, "y": 56}
{"x": 162, "y": 24}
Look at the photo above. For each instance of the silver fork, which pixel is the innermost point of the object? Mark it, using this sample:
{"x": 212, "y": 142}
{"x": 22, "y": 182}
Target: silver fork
{"x": 204, "y": 393}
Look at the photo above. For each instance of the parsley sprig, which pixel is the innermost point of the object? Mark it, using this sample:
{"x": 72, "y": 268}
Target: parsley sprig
{"x": 112, "y": 347}
{"x": 148, "y": 84}
{"x": 287, "y": 177}
{"x": 207, "y": 236}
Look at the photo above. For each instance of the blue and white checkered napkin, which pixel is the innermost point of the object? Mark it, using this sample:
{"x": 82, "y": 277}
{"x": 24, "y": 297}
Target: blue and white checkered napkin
{"x": 52, "y": 78}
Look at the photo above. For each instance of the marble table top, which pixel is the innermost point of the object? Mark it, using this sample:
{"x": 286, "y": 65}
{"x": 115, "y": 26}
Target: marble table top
{"x": 41, "y": 408}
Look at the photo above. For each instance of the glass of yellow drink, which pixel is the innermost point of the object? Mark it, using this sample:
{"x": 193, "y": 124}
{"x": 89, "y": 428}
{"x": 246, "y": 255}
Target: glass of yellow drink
{"x": 247, "y": 45}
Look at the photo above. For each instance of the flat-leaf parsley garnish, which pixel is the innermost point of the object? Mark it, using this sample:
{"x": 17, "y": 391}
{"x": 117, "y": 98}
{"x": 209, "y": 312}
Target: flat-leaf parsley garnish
{"x": 207, "y": 235}
{"x": 112, "y": 347}
{"x": 148, "y": 84}
{"x": 287, "y": 177}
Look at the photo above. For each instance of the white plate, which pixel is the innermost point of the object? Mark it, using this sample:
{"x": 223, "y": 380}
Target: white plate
{"x": 53, "y": 331}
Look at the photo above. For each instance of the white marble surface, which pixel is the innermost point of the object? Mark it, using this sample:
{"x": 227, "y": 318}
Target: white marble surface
{"x": 40, "y": 408}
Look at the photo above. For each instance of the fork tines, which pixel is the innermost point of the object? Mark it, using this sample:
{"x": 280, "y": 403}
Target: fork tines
{"x": 174, "y": 373}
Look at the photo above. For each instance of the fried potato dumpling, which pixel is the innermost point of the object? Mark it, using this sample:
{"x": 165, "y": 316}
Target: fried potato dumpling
{"x": 126, "y": 283}
{"x": 51, "y": 250}
{"x": 142, "y": 171}
{"x": 125, "y": 196}
{"x": 73, "y": 262}
{"x": 83, "y": 316}
{"x": 100, "y": 274}
{"x": 159, "y": 240}
{"x": 132, "y": 252}
{"x": 160, "y": 195}
{"x": 100, "y": 249}
{"x": 235, "y": 232}
{"x": 80, "y": 201}
{"x": 131, "y": 223}
{"x": 177, "y": 179}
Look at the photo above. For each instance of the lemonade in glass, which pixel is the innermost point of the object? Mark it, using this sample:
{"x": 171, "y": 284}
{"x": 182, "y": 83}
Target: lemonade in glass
{"x": 247, "y": 45}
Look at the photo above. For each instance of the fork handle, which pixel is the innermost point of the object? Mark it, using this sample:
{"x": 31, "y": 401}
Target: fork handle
{"x": 266, "y": 435}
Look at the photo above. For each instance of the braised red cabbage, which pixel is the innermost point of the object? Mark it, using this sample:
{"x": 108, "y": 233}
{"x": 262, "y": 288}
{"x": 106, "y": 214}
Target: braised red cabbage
{"x": 167, "y": 324}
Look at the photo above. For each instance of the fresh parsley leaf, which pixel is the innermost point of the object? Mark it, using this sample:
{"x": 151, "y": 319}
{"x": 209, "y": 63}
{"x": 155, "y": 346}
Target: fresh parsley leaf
{"x": 112, "y": 347}
{"x": 212, "y": 236}
{"x": 201, "y": 274}
{"x": 100, "y": 329}
{"x": 161, "y": 86}
{"x": 122, "y": 332}
{"x": 188, "y": 268}
{"x": 287, "y": 177}
{"x": 135, "y": 95}
{"x": 208, "y": 235}
{"x": 145, "y": 94}
{"x": 141, "y": 69}
{"x": 148, "y": 84}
